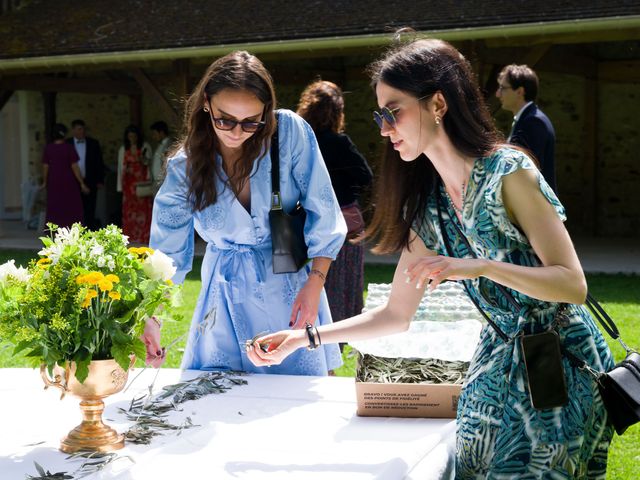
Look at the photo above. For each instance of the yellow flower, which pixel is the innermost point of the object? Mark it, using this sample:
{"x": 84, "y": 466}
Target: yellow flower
{"x": 43, "y": 263}
{"x": 112, "y": 278}
{"x": 80, "y": 279}
{"x": 140, "y": 251}
{"x": 91, "y": 294}
{"x": 105, "y": 285}
{"x": 93, "y": 278}
{"x": 86, "y": 302}
{"x": 58, "y": 323}
{"x": 114, "y": 295}
{"x": 25, "y": 333}
{"x": 169, "y": 282}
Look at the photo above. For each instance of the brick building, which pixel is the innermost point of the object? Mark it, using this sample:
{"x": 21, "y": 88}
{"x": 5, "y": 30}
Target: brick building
{"x": 134, "y": 61}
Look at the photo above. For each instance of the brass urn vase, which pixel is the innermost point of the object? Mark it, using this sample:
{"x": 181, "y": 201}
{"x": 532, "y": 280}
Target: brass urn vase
{"x": 105, "y": 378}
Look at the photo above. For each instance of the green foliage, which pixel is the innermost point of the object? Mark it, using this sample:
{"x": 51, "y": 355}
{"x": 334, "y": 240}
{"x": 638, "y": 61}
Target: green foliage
{"x": 85, "y": 298}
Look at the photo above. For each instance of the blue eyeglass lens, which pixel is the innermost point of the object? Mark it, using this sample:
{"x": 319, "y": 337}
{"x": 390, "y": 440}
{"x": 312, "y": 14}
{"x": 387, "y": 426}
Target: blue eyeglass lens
{"x": 384, "y": 114}
{"x": 378, "y": 119}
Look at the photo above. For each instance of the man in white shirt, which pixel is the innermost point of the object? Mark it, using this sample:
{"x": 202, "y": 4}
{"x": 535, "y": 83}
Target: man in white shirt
{"x": 91, "y": 167}
{"x": 531, "y": 128}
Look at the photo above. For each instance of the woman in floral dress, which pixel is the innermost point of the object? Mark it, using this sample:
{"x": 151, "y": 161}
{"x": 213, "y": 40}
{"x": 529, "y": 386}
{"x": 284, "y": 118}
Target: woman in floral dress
{"x": 443, "y": 150}
{"x": 133, "y": 167}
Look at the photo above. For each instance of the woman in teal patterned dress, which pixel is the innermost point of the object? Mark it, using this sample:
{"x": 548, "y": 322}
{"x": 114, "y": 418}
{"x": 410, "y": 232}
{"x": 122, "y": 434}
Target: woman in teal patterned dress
{"x": 443, "y": 148}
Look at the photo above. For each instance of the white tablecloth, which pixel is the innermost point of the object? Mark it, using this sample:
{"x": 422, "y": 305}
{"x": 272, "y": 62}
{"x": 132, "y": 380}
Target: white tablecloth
{"x": 275, "y": 427}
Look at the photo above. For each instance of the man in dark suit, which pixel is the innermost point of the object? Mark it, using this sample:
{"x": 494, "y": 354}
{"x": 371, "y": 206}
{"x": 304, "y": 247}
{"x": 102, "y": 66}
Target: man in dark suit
{"x": 91, "y": 168}
{"x": 531, "y": 128}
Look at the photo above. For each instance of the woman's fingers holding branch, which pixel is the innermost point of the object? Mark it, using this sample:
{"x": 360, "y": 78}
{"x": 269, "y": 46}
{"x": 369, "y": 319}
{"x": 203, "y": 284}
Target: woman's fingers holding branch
{"x": 279, "y": 346}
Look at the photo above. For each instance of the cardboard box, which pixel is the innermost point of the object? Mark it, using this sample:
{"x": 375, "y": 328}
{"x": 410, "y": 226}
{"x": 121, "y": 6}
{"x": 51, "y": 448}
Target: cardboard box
{"x": 407, "y": 400}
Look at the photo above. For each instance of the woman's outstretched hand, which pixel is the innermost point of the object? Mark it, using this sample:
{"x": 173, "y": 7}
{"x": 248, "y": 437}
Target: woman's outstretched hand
{"x": 156, "y": 355}
{"x": 433, "y": 270}
{"x": 279, "y": 346}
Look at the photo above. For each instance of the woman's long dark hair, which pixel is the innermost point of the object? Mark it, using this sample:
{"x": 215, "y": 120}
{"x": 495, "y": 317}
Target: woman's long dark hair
{"x": 422, "y": 68}
{"x": 322, "y": 106}
{"x": 236, "y": 71}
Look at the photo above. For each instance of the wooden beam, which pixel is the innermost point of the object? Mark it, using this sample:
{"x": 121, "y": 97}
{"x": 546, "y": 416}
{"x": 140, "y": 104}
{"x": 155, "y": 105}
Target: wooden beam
{"x": 557, "y": 60}
{"x": 135, "y": 110}
{"x": 618, "y": 35}
{"x": 621, "y": 71}
{"x": 535, "y": 54}
{"x": 49, "y": 111}
{"x": 5, "y": 95}
{"x": 181, "y": 70}
{"x": 42, "y": 83}
{"x": 154, "y": 92}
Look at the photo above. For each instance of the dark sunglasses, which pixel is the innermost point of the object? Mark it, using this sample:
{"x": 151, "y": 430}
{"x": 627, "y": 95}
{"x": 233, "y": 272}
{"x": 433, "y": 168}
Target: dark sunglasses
{"x": 388, "y": 114}
{"x": 385, "y": 114}
{"x": 226, "y": 125}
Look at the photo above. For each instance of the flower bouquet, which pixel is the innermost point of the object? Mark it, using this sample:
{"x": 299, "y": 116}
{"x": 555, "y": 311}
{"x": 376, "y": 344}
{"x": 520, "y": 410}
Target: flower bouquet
{"x": 79, "y": 311}
{"x": 86, "y": 298}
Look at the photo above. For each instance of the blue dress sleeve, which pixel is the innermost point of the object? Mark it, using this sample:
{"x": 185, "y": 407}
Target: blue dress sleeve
{"x": 325, "y": 229}
{"x": 172, "y": 221}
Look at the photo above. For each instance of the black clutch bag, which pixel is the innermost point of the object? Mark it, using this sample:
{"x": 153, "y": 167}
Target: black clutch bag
{"x": 620, "y": 386}
{"x": 287, "y": 229}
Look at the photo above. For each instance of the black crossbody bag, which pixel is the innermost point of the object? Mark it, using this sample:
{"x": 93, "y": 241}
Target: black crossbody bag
{"x": 619, "y": 388}
{"x": 287, "y": 229}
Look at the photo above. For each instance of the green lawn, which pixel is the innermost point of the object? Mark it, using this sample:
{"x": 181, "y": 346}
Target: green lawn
{"x": 619, "y": 294}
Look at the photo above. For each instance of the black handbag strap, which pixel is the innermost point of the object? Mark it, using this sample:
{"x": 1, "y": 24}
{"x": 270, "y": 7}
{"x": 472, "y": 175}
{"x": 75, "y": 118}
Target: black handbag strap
{"x": 445, "y": 237}
{"x": 276, "y": 202}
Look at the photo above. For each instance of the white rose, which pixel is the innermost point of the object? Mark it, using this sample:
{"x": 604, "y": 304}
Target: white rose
{"x": 5, "y": 270}
{"x": 21, "y": 274}
{"x": 9, "y": 269}
{"x": 159, "y": 266}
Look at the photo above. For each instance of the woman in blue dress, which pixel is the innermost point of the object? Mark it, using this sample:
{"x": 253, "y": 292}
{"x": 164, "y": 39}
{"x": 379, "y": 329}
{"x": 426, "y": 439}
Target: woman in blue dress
{"x": 218, "y": 183}
{"x": 444, "y": 150}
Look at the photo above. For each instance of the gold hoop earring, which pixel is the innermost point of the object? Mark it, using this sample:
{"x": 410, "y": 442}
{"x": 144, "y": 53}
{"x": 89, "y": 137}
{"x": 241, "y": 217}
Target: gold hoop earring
{"x": 437, "y": 121}
{"x": 205, "y": 109}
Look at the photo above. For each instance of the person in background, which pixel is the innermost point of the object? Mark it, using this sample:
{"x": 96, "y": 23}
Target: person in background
{"x": 63, "y": 180}
{"x": 160, "y": 135}
{"x": 531, "y": 128}
{"x": 446, "y": 174}
{"x": 322, "y": 106}
{"x": 218, "y": 183}
{"x": 134, "y": 157}
{"x": 91, "y": 168}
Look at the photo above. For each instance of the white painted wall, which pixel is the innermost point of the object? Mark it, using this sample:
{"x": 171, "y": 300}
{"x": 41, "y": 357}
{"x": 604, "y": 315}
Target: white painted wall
{"x": 13, "y": 157}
